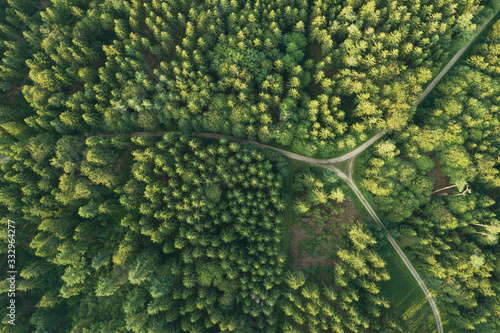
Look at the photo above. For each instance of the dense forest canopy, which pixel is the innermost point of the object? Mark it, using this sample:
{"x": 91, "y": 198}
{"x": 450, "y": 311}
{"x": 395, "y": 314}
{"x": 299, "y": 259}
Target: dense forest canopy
{"x": 184, "y": 234}
{"x": 319, "y": 77}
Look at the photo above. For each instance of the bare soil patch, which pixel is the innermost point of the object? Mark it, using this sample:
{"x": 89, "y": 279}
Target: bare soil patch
{"x": 314, "y": 242}
{"x": 302, "y": 259}
{"x": 350, "y": 212}
{"x": 440, "y": 180}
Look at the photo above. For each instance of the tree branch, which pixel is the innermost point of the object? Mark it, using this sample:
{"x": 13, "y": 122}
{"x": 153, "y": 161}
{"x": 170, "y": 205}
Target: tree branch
{"x": 444, "y": 188}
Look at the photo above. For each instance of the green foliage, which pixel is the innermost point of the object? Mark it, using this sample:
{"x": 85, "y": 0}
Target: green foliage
{"x": 180, "y": 234}
{"x": 453, "y": 233}
{"x": 316, "y": 77}
{"x": 188, "y": 228}
{"x": 348, "y": 297}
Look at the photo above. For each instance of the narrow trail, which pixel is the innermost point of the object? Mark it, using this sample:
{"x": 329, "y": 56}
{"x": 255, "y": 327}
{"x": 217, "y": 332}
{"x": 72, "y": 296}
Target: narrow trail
{"x": 332, "y": 164}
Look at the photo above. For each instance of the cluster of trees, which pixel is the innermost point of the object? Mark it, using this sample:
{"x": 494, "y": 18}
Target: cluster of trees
{"x": 168, "y": 235}
{"x": 145, "y": 235}
{"x": 451, "y": 229}
{"x": 215, "y": 210}
{"x": 316, "y": 192}
{"x": 345, "y": 298}
{"x": 398, "y": 185}
{"x": 318, "y": 77}
{"x": 63, "y": 220}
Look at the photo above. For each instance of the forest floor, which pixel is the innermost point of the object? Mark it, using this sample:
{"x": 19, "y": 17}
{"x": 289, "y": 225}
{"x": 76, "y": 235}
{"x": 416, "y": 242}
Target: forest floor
{"x": 303, "y": 258}
{"x": 440, "y": 181}
{"x": 313, "y": 240}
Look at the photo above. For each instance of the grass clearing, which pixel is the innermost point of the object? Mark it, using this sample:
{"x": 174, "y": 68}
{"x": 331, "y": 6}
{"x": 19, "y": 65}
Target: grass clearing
{"x": 310, "y": 238}
{"x": 290, "y": 214}
{"x": 407, "y": 299}
{"x": 315, "y": 236}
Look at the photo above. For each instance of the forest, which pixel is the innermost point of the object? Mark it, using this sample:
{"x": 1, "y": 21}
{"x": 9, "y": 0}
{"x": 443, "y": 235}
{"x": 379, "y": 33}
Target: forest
{"x": 437, "y": 184}
{"x": 128, "y": 221}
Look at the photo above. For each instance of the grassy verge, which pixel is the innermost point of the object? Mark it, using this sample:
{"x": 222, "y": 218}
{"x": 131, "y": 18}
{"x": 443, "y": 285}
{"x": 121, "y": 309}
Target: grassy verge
{"x": 290, "y": 215}
{"x": 357, "y": 178}
{"x": 407, "y": 300}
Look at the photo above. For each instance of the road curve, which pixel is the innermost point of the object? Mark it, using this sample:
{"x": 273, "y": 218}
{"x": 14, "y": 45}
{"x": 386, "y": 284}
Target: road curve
{"x": 399, "y": 251}
{"x": 353, "y": 154}
{"x": 316, "y": 161}
{"x": 329, "y": 164}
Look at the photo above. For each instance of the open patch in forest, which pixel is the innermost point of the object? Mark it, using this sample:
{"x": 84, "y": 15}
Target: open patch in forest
{"x": 440, "y": 181}
{"x": 343, "y": 166}
{"x": 314, "y": 52}
{"x": 315, "y": 237}
{"x": 151, "y": 63}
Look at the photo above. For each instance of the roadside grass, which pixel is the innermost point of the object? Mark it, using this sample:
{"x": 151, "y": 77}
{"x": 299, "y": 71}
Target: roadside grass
{"x": 359, "y": 163}
{"x": 407, "y": 300}
{"x": 291, "y": 216}
{"x": 343, "y": 166}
